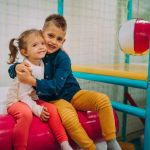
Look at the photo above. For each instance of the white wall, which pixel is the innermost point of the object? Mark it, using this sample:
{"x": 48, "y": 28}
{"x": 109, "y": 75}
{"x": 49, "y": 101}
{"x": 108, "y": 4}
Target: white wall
{"x": 3, "y": 92}
{"x": 17, "y": 16}
{"x": 91, "y": 30}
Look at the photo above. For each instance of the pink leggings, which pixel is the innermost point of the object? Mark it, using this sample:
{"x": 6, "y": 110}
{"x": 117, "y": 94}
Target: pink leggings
{"x": 23, "y": 116}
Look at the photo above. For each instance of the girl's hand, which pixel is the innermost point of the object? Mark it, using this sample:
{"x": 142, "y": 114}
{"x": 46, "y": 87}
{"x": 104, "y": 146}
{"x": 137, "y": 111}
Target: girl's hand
{"x": 23, "y": 72}
{"x": 44, "y": 115}
{"x": 26, "y": 77}
{"x": 22, "y": 67}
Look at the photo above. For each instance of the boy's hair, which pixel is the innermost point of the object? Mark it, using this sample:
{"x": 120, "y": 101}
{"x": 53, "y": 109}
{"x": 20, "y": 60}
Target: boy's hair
{"x": 57, "y": 20}
{"x": 17, "y": 44}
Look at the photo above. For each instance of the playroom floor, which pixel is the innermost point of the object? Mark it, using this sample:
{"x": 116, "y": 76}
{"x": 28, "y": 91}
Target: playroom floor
{"x": 135, "y": 144}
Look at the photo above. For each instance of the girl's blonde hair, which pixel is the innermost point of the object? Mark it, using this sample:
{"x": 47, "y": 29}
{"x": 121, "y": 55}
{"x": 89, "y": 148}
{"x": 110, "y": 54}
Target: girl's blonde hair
{"x": 17, "y": 44}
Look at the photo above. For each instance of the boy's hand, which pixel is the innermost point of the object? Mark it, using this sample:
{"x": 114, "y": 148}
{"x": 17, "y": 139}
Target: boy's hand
{"x": 22, "y": 67}
{"x": 44, "y": 115}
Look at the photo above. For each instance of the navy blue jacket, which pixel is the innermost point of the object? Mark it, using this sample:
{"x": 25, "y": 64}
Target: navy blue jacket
{"x": 58, "y": 82}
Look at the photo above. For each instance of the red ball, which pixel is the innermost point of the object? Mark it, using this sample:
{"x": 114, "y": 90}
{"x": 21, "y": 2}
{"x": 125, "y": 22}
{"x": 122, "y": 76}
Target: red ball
{"x": 41, "y": 136}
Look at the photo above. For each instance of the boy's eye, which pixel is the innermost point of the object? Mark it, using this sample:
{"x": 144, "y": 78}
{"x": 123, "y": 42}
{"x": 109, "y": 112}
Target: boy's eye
{"x": 59, "y": 39}
{"x": 50, "y": 35}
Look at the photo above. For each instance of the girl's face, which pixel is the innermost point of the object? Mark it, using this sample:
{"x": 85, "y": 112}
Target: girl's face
{"x": 54, "y": 37}
{"x": 36, "y": 47}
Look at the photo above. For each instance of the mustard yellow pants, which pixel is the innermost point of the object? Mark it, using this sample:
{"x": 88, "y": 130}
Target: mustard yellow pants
{"x": 87, "y": 100}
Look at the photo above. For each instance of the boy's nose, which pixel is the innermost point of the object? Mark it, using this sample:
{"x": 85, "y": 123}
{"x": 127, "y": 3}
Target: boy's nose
{"x": 54, "y": 41}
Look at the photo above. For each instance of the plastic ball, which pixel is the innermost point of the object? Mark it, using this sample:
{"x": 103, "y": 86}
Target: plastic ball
{"x": 134, "y": 37}
{"x": 41, "y": 136}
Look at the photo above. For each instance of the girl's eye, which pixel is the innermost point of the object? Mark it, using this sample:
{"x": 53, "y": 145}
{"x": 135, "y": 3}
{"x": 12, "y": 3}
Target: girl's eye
{"x": 34, "y": 45}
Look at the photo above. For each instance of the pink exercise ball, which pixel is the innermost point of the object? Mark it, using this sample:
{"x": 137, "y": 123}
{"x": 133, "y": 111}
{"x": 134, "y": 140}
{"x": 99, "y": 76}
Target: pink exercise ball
{"x": 41, "y": 136}
{"x": 134, "y": 37}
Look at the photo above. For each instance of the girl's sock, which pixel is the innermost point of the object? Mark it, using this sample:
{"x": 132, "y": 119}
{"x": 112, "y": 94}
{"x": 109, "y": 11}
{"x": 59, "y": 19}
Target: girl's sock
{"x": 113, "y": 145}
{"x": 65, "y": 146}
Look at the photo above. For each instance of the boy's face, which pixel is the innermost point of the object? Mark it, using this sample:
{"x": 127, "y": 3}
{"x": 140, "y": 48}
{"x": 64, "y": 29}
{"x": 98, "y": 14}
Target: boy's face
{"x": 54, "y": 37}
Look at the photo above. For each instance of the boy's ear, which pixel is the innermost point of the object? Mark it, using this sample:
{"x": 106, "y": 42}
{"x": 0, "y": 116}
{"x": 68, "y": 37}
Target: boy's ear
{"x": 23, "y": 52}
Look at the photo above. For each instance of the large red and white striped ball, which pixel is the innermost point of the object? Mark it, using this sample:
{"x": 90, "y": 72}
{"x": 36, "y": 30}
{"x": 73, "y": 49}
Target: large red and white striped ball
{"x": 134, "y": 37}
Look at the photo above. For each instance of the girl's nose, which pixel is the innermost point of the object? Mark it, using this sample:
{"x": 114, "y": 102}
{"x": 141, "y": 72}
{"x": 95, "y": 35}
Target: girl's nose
{"x": 41, "y": 45}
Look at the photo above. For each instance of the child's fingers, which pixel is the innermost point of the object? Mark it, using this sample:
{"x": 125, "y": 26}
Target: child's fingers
{"x": 46, "y": 110}
{"x": 24, "y": 72}
{"x": 26, "y": 64}
{"x": 21, "y": 67}
{"x": 44, "y": 117}
{"x": 19, "y": 73}
{"x": 46, "y": 113}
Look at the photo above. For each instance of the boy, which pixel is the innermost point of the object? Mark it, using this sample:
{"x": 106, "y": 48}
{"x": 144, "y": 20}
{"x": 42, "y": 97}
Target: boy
{"x": 60, "y": 86}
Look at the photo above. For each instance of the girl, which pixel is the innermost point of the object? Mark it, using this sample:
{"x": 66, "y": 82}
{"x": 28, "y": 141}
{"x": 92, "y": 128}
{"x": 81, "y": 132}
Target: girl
{"x": 20, "y": 104}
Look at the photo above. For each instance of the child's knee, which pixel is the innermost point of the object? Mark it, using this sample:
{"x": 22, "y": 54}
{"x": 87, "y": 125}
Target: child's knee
{"x": 62, "y": 103}
{"x": 52, "y": 109}
{"x": 69, "y": 117}
{"x": 27, "y": 116}
{"x": 102, "y": 100}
